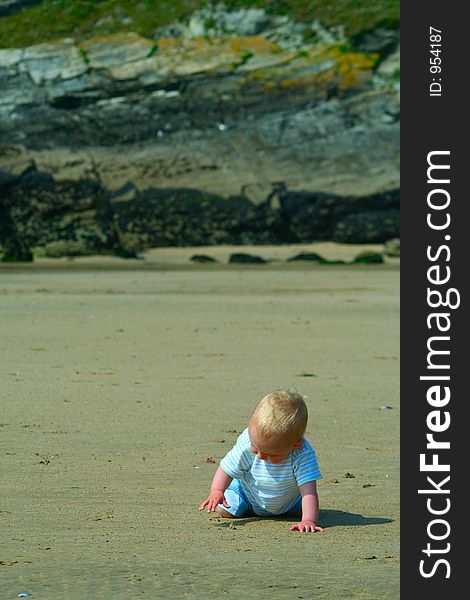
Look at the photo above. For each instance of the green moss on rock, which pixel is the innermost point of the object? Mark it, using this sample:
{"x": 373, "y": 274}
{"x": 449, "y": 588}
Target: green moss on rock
{"x": 369, "y": 257}
{"x": 84, "y": 19}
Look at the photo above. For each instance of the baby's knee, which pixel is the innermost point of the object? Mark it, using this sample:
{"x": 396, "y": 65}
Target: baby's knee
{"x": 224, "y": 513}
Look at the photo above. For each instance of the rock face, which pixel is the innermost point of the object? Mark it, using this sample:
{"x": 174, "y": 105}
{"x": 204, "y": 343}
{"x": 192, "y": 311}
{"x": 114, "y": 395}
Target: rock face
{"x": 214, "y": 114}
{"x": 221, "y": 137}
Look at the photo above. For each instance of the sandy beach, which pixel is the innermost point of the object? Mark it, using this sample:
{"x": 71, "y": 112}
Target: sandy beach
{"x": 125, "y": 382}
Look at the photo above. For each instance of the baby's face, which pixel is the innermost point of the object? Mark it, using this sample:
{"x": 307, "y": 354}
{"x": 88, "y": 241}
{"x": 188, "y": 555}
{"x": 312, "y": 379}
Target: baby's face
{"x": 273, "y": 450}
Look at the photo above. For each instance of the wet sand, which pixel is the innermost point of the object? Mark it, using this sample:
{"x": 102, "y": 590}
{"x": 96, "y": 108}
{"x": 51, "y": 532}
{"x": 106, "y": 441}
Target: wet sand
{"x": 124, "y": 381}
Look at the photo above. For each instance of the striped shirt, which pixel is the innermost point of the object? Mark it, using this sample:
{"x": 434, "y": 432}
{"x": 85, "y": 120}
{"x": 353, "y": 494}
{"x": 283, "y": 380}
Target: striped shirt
{"x": 272, "y": 489}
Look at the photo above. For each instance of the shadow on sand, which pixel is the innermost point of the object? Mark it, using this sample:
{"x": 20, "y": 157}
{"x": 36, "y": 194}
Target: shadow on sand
{"x": 341, "y": 518}
{"x": 328, "y": 518}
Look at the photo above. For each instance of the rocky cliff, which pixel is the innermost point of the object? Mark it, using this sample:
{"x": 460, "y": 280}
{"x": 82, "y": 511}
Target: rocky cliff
{"x": 223, "y": 115}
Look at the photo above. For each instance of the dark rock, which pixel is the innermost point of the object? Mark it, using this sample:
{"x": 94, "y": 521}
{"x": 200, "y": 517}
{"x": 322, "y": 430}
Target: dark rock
{"x": 124, "y": 252}
{"x": 15, "y": 250}
{"x": 87, "y": 218}
{"x": 308, "y": 215}
{"x": 310, "y": 256}
{"x": 243, "y": 258}
{"x": 180, "y": 217}
{"x": 39, "y": 210}
{"x": 383, "y": 40}
{"x": 316, "y": 216}
{"x": 369, "y": 257}
{"x": 325, "y": 261}
{"x": 368, "y": 227}
{"x": 203, "y": 258}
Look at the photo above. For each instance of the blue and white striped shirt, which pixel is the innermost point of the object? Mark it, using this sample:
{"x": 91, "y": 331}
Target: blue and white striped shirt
{"x": 272, "y": 489}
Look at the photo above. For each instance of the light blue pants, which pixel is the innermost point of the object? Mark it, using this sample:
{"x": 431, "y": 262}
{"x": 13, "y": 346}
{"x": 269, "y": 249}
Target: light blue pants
{"x": 240, "y": 506}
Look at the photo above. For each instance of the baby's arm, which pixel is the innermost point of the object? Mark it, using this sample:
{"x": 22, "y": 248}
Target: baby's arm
{"x": 220, "y": 483}
{"x": 310, "y": 509}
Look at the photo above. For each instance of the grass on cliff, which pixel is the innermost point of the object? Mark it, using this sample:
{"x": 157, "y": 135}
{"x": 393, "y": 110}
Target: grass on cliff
{"x": 83, "y": 19}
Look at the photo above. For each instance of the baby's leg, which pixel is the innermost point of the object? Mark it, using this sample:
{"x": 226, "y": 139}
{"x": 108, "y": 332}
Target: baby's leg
{"x": 237, "y": 501}
{"x": 227, "y": 515}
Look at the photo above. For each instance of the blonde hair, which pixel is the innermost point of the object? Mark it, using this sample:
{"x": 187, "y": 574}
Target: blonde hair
{"x": 281, "y": 413}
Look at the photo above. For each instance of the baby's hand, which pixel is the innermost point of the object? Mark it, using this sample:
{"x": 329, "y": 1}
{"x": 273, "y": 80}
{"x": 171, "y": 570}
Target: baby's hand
{"x": 307, "y": 526}
{"x": 216, "y": 497}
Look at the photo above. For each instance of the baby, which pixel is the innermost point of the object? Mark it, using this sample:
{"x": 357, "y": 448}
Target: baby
{"x": 272, "y": 469}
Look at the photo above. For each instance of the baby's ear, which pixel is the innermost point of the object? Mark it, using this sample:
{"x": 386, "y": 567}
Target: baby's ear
{"x": 298, "y": 444}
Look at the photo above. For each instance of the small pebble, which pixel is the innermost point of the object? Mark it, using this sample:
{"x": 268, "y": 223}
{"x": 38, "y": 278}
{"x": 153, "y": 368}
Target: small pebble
{"x": 386, "y": 407}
